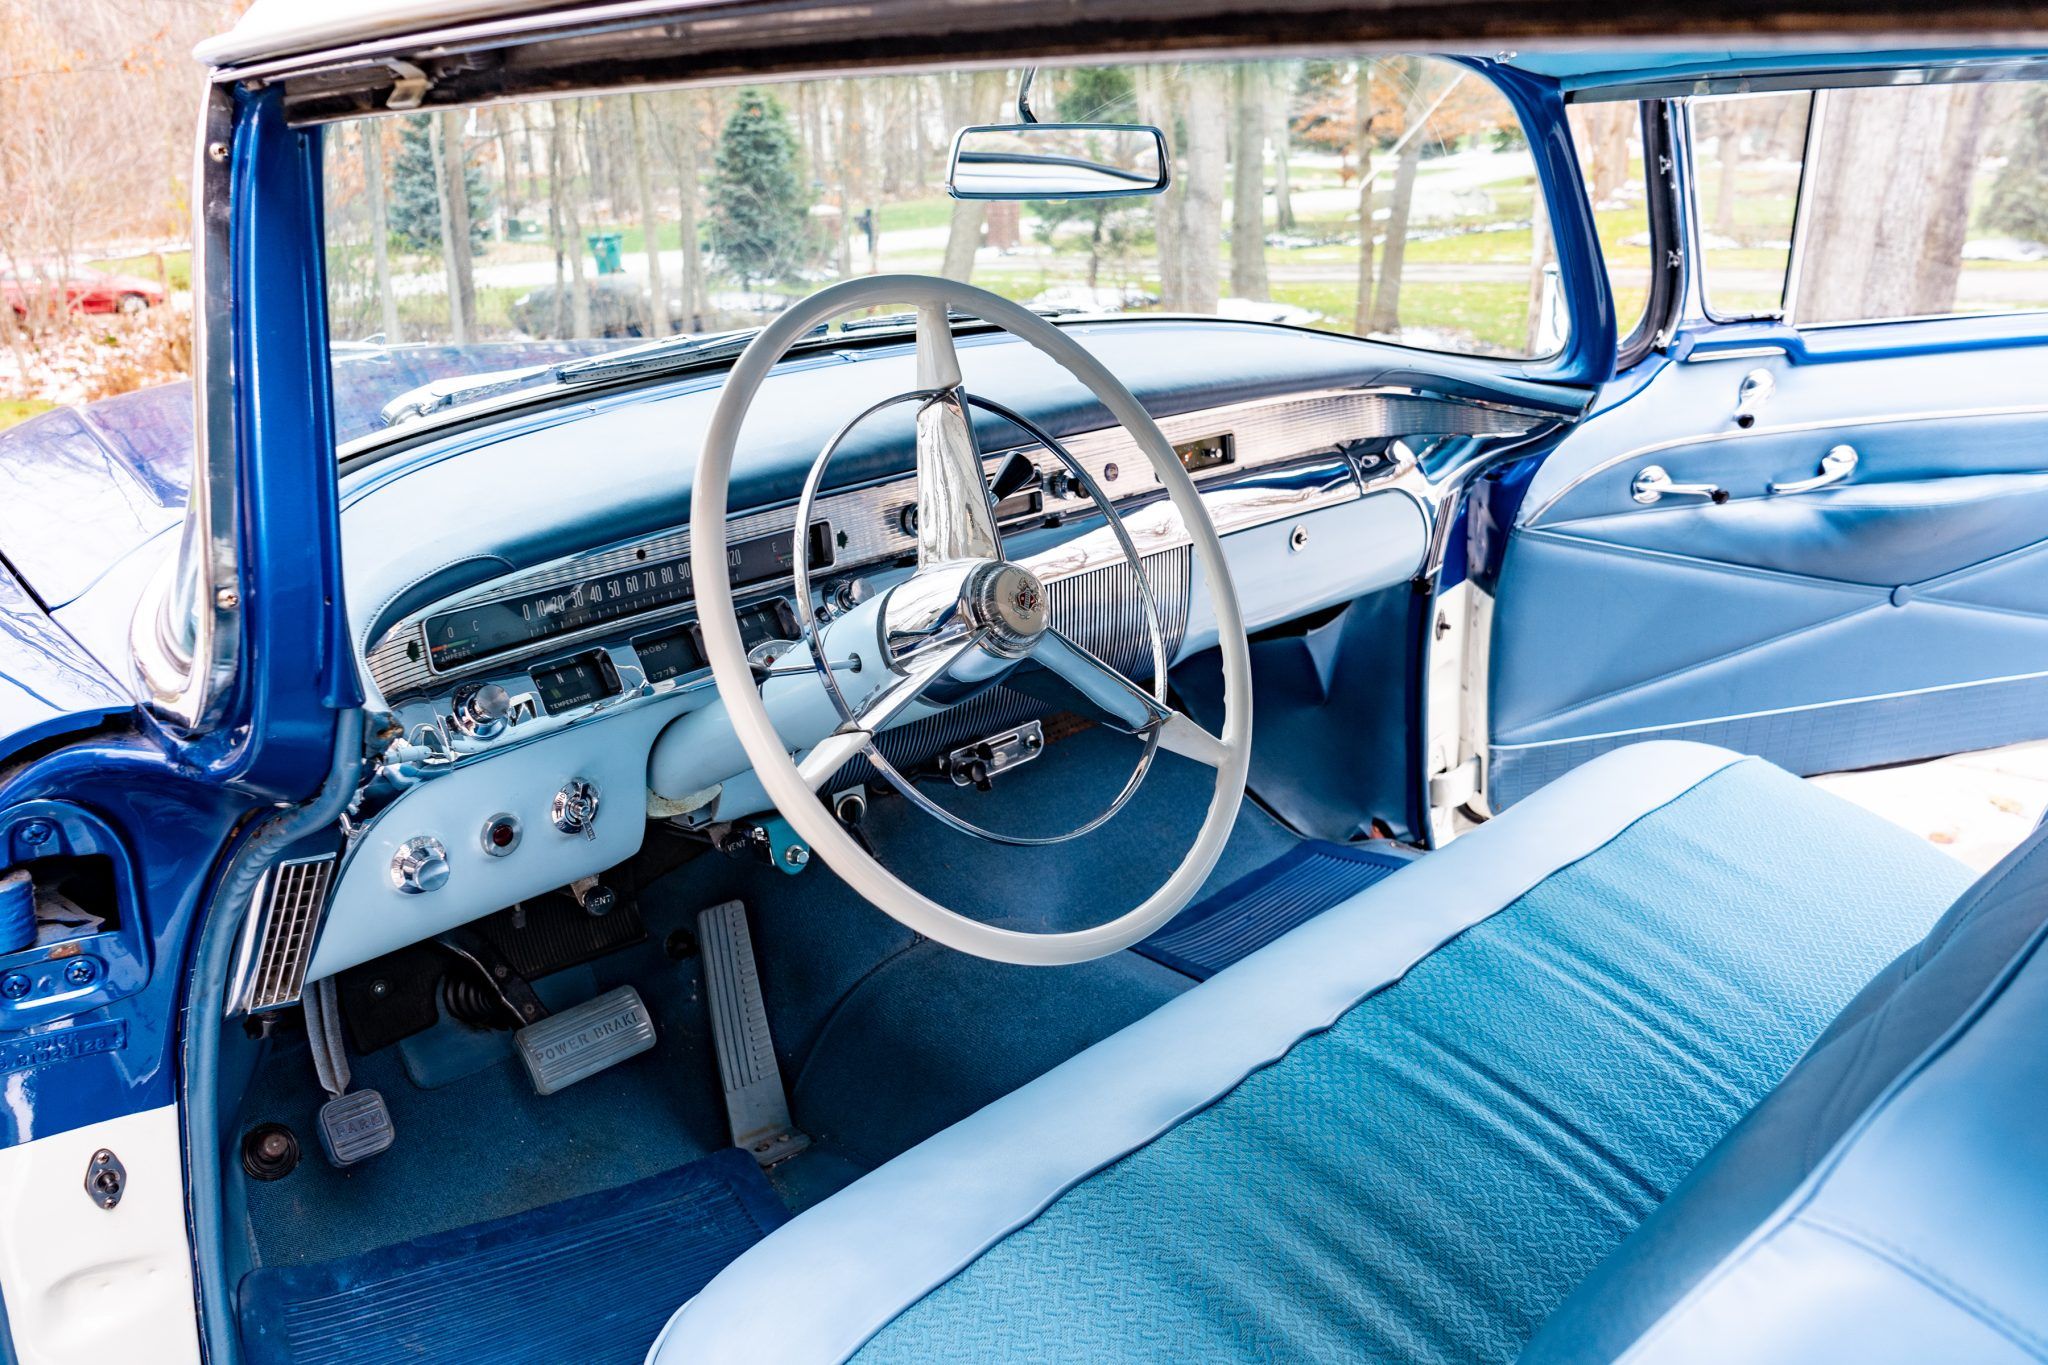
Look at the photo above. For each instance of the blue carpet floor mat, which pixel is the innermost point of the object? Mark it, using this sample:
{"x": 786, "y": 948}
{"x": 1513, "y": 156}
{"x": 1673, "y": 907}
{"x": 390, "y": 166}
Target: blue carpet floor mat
{"x": 1261, "y": 906}
{"x": 589, "y": 1280}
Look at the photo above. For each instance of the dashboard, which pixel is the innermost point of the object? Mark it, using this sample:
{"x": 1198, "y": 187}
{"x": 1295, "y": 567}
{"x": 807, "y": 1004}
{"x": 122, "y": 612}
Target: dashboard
{"x": 536, "y": 653}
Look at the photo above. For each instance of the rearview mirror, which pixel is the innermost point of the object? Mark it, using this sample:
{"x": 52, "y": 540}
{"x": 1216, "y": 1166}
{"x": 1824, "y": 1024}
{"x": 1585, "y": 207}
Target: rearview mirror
{"x": 1058, "y": 161}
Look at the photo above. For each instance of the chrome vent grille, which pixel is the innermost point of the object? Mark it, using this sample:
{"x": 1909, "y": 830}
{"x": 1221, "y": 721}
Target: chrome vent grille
{"x": 284, "y": 922}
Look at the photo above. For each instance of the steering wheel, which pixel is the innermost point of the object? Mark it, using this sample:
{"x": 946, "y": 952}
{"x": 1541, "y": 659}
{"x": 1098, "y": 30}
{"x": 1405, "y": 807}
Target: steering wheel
{"x": 966, "y": 615}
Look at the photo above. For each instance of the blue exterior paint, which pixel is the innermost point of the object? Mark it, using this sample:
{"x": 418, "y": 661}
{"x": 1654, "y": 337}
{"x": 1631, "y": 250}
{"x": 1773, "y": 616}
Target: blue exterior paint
{"x": 172, "y": 807}
{"x": 1588, "y": 355}
{"x": 49, "y": 686}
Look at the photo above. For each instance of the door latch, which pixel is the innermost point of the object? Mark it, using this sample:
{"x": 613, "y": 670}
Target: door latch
{"x": 1653, "y": 484}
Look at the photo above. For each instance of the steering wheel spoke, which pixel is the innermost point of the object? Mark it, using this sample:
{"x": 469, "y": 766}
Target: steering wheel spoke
{"x": 890, "y": 701}
{"x": 954, "y": 518}
{"x": 1127, "y": 706}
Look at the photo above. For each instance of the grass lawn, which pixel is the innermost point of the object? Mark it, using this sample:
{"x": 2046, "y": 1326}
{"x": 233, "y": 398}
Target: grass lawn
{"x": 14, "y": 410}
{"x": 177, "y": 265}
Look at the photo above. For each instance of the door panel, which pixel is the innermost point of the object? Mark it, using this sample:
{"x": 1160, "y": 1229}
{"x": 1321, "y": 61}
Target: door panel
{"x": 1900, "y": 613}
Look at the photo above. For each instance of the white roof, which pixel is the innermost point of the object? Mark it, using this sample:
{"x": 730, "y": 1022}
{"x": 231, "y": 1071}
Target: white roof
{"x": 284, "y": 28}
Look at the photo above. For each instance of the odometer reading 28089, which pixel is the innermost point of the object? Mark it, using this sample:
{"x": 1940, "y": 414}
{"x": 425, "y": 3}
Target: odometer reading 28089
{"x": 485, "y": 628}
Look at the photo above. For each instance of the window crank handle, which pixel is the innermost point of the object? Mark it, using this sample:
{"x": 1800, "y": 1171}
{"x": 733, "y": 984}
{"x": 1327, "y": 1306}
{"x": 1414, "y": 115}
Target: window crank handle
{"x": 1653, "y": 484}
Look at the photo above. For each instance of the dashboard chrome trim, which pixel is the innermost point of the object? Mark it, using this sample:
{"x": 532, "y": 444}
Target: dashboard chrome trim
{"x": 1308, "y": 430}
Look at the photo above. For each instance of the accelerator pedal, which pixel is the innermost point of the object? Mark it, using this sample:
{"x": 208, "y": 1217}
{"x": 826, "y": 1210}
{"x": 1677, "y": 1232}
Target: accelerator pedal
{"x": 755, "y": 1101}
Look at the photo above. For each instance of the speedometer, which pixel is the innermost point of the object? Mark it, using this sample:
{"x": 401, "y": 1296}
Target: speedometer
{"x": 483, "y": 629}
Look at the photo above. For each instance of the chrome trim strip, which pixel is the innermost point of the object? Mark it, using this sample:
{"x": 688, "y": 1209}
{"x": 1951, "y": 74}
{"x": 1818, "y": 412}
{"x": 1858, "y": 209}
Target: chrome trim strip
{"x": 1775, "y": 711}
{"x": 185, "y": 635}
{"x": 1964, "y": 71}
{"x": 1753, "y": 433}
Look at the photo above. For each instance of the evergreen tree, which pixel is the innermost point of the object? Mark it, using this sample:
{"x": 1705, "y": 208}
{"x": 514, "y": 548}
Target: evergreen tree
{"x": 416, "y": 199}
{"x": 760, "y": 213}
{"x": 2018, "y": 204}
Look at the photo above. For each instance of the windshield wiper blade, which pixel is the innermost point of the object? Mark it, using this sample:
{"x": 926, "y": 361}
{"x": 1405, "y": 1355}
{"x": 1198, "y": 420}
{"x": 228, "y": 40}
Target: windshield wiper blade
{"x": 465, "y": 388}
{"x": 654, "y": 357}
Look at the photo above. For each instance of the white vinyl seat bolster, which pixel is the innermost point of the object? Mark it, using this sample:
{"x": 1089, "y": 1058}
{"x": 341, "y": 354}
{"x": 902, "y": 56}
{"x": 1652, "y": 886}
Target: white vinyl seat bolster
{"x": 877, "y": 1247}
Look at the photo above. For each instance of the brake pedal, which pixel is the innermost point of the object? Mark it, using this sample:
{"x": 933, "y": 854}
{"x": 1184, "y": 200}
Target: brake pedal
{"x": 755, "y": 1101}
{"x": 581, "y": 1041}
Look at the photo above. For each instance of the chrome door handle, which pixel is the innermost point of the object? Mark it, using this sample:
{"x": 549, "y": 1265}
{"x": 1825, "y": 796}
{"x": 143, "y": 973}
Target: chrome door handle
{"x": 1653, "y": 483}
{"x": 1835, "y": 466}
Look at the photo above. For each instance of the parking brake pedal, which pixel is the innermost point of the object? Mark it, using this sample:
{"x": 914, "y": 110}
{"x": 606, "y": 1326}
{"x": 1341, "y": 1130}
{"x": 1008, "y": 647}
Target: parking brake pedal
{"x": 353, "y": 1126}
{"x": 755, "y": 1101}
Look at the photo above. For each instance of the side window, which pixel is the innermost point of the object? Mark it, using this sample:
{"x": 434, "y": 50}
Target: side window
{"x": 1609, "y": 141}
{"x": 1746, "y": 156}
{"x": 1926, "y": 200}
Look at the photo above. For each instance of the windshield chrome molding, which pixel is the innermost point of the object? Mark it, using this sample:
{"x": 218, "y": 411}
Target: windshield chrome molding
{"x": 184, "y": 639}
{"x": 1957, "y": 72}
{"x": 1802, "y": 208}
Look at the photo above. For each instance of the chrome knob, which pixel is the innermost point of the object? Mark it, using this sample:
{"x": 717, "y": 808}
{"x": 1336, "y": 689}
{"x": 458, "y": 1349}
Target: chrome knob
{"x": 420, "y": 865}
{"x": 483, "y": 712}
{"x": 574, "y": 809}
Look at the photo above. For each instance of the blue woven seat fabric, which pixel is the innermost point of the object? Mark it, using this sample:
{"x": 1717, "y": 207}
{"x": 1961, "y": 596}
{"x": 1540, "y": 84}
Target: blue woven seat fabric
{"x": 1428, "y": 1178}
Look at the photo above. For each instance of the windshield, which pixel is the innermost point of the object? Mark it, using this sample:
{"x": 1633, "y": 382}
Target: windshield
{"x": 1388, "y": 197}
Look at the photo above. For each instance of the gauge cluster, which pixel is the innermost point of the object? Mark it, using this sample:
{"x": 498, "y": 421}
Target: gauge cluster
{"x": 481, "y": 630}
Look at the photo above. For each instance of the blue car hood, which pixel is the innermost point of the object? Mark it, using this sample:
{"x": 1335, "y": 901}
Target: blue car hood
{"x": 48, "y": 684}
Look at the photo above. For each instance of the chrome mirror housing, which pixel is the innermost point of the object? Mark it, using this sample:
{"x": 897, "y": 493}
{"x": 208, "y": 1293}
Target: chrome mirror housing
{"x": 1026, "y": 161}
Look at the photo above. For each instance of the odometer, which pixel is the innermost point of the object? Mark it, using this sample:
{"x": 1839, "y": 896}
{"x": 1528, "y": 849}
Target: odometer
{"x": 486, "y": 628}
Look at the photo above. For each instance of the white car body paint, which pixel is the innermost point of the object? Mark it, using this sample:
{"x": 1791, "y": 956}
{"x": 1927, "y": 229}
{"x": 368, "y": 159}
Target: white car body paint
{"x": 85, "y": 1285}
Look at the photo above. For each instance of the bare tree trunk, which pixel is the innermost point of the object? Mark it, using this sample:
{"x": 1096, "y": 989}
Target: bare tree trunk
{"x": 1155, "y": 106}
{"x": 1204, "y": 116}
{"x": 1386, "y": 304}
{"x": 1877, "y": 263}
{"x": 696, "y": 292}
{"x": 650, "y": 226}
{"x": 1361, "y": 315}
{"x": 1732, "y": 127}
{"x": 1948, "y": 198}
{"x": 1248, "y": 279}
{"x": 508, "y": 192}
{"x": 562, "y": 174}
{"x": 848, "y": 118}
{"x": 369, "y": 135}
{"x": 446, "y": 134}
{"x": 531, "y": 141}
{"x": 1282, "y": 135}
{"x": 1538, "y": 342}
{"x": 972, "y": 95}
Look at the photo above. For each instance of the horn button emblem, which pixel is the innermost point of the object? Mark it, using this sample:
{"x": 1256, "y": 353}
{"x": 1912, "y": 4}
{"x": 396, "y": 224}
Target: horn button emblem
{"x": 1010, "y": 603}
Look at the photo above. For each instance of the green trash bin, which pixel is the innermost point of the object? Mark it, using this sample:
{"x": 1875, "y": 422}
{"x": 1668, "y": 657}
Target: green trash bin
{"x": 605, "y": 249}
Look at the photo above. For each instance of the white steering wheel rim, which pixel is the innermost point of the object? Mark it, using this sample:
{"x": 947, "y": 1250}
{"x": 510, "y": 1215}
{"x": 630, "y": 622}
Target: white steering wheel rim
{"x": 777, "y": 770}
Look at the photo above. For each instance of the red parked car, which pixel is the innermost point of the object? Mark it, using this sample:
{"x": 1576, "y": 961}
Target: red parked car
{"x": 84, "y": 288}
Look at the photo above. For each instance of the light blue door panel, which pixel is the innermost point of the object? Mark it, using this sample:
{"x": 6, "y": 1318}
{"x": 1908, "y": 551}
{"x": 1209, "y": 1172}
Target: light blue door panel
{"x": 1899, "y": 614}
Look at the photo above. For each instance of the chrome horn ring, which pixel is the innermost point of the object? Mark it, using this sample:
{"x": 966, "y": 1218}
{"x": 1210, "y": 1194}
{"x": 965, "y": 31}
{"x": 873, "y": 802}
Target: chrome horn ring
{"x": 1014, "y": 628}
